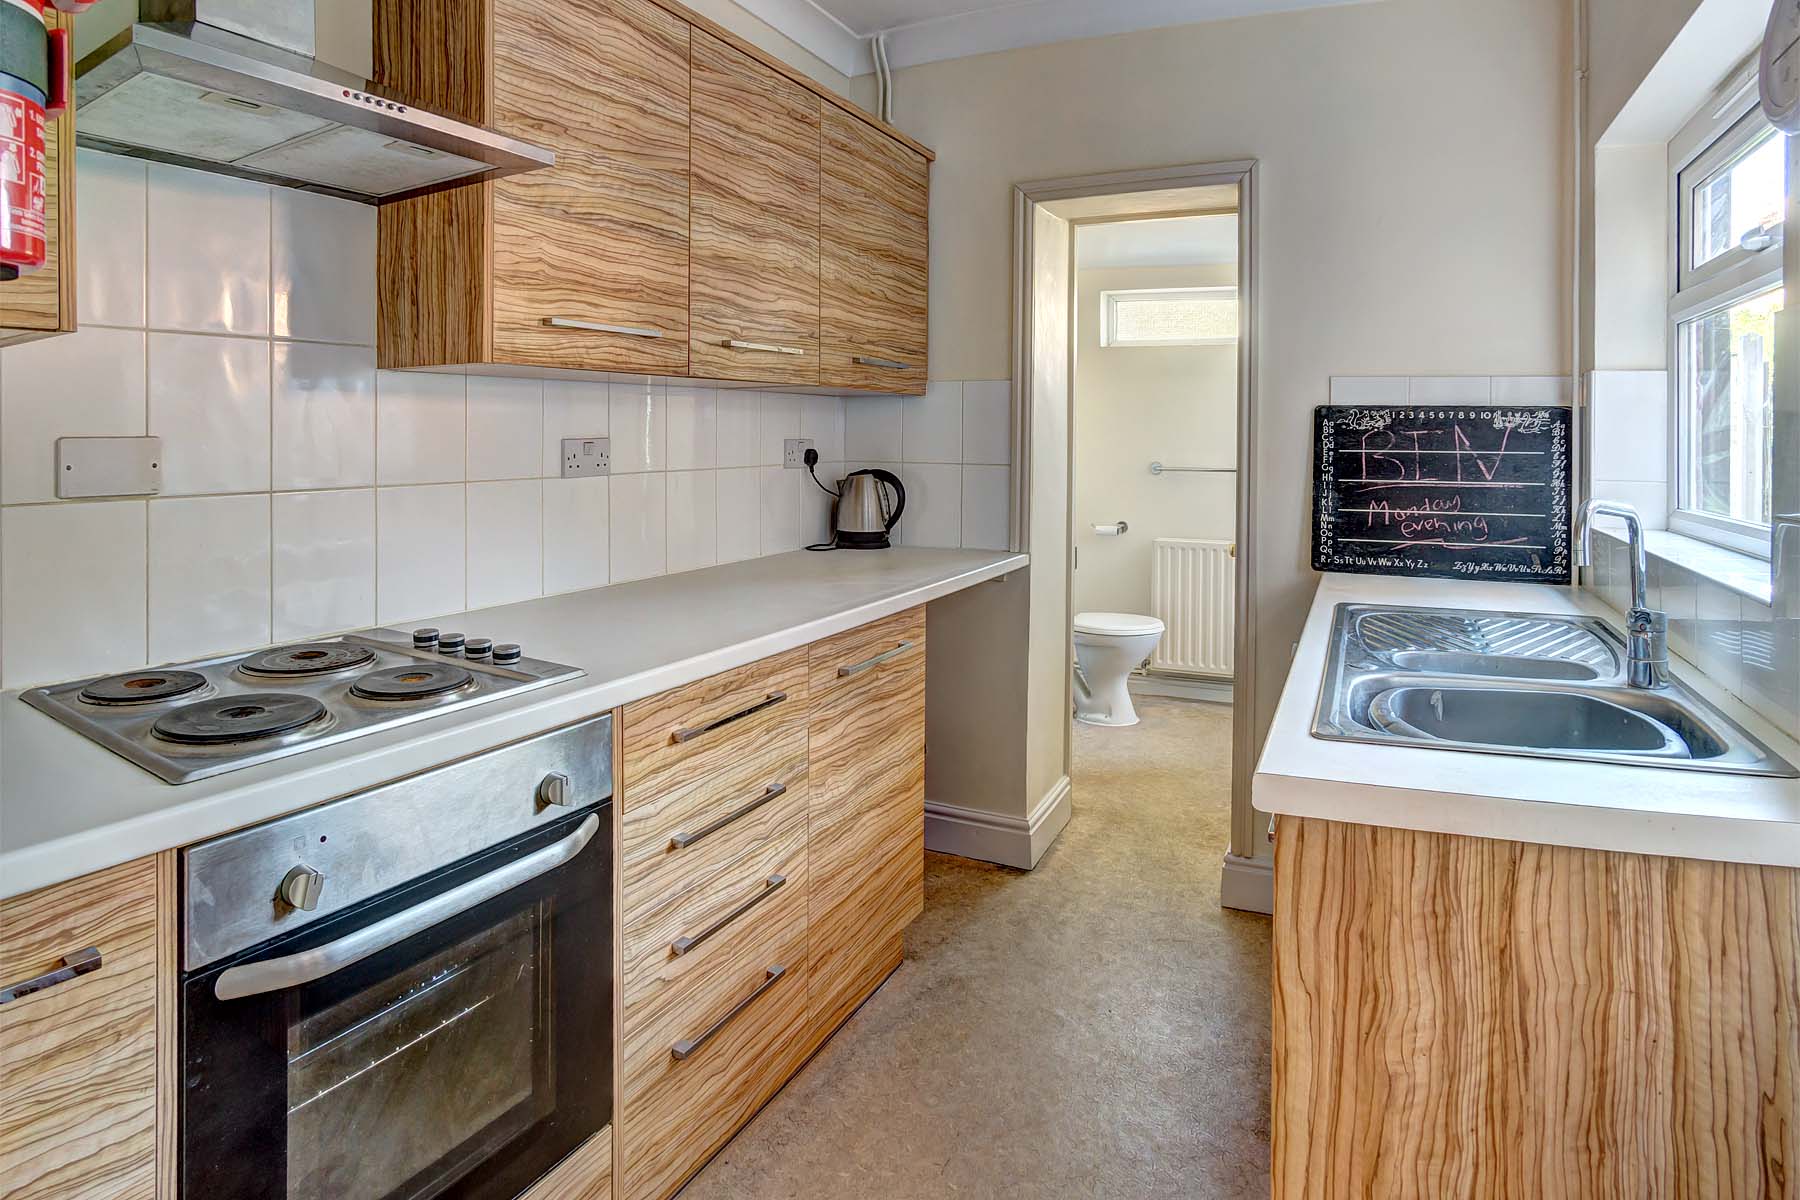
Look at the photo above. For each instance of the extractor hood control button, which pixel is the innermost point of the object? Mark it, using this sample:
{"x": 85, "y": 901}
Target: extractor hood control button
{"x": 425, "y": 639}
{"x": 555, "y": 790}
{"x": 507, "y": 653}
{"x": 478, "y": 647}
{"x": 301, "y": 888}
{"x": 450, "y": 643}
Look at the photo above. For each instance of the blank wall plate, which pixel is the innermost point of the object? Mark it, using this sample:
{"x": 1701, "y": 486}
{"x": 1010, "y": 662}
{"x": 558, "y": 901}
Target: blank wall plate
{"x": 793, "y": 453}
{"x": 108, "y": 466}
{"x": 583, "y": 458}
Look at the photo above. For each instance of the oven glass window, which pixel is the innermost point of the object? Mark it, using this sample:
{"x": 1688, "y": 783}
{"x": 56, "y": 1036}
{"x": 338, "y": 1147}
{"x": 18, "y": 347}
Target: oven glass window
{"x": 399, "y": 1089}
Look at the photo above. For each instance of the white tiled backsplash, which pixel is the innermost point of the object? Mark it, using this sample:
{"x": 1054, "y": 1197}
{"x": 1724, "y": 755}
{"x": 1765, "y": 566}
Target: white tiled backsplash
{"x": 305, "y": 493}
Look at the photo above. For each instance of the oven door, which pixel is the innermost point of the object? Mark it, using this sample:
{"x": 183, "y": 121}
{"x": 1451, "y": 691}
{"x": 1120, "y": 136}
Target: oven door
{"x": 451, "y": 1038}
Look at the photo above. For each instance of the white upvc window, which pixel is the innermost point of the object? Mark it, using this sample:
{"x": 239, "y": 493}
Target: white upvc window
{"x": 1194, "y": 316}
{"x": 1729, "y": 170}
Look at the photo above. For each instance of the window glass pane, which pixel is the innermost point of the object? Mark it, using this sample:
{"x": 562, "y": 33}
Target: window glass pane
{"x": 1743, "y": 196}
{"x": 1174, "y": 317}
{"x": 1728, "y": 393}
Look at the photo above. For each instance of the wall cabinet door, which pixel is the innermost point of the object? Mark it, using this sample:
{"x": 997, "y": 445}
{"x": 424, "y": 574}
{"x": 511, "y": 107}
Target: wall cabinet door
{"x": 872, "y": 275}
{"x": 755, "y": 277}
{"x": 598, "y": 243}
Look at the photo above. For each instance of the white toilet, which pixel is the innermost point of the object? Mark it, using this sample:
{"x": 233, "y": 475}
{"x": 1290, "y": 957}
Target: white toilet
{"x": 1108, "y": 646}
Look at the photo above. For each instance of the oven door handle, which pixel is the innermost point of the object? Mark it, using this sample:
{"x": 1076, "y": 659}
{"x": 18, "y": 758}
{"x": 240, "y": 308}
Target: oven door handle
{"x": 279, "y": 974}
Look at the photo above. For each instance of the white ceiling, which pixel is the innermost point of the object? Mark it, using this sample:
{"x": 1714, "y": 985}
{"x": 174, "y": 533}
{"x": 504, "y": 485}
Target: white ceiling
{"x": 921, "y": 31}
{"x": 1164, "y": 242}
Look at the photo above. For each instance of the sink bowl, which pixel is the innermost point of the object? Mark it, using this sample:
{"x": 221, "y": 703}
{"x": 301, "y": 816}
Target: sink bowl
{"x": 1529, "y": 684}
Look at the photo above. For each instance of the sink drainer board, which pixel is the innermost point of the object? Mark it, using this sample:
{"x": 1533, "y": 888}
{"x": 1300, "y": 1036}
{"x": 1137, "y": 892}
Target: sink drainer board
{"x": 1462, "y": 492}
{"x": 1407, "y": 637}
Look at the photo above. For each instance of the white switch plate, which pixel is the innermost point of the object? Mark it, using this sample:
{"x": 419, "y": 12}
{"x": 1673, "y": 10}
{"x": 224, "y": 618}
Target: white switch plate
{"x": 793, "y": 453}
{"x": 108, "y": 466}
{"x": 583, "y": 458}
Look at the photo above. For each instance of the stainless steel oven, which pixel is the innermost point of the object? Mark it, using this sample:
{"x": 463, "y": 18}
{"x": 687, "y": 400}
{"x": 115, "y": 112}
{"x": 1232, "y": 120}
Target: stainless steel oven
{"x": 405, "y": 993}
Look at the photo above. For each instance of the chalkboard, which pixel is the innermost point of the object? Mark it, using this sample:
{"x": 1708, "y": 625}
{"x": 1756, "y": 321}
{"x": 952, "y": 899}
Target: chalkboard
{"x": 1466, "y": 492}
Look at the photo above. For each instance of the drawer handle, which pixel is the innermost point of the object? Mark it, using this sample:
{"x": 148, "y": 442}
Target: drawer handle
{"x": 688, "y": 1047}
{"x": 601, "y": 327}
{"x": 868, "y": 663}
{"x": 81, "y": 962}
{"x": 692, "y": 732}
{"x": 771, "y": 885}
{"x": 682, "y": 841}
{"x": 762, "y": 347}
{"x": 886, "y": 364}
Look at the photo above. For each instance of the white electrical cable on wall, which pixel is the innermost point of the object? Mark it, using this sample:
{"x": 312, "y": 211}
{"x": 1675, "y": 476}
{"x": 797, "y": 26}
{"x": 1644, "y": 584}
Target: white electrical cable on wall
{"x": 884, "y": 78}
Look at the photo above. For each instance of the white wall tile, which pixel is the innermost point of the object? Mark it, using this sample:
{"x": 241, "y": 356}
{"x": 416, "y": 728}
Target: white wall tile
{"x": 1771, "y": 667}
{"x": 740, "y": 427}
{"x": 1368, "y": 389}
{"x": 816, "y": 504}
{"x": 986, "y": 507}
{"x": 324, "y": 562}
{"x": 1533, "y": 390}
{"x": 639, "y": 526}
{"x": 872, "y": 429}
{"x": 110, "y": 202}
{"x": 931, "y": 426}
{"x": 1719, "y": 633}
{"x": 933, "y": 514}
{"x": 740, "y": 511}
{"x": 1650, "y": 499}
{"x": 322, "y": 424}
{"x": 209, "y": 576}
{"x": 987, "y": 421}
{"x": 209, "y": 252}
{"x": 420, "y": 541}
{"x": 577, "y": 536}
{"x": 780, "y": 421}
{"x": 506, "y": 428}
{"x": 320, "y": 283}
{"x": 1678, "y": 595}
{"x": 1449, "y": 389}
{"x": 640, "y": 434}
{"x": 1628, "y": 426}
{"x": 572, "y": 409}
{"x": 506, "y": 541}
{"x": 780, "y": 509}
{"x": 693, "y": 428}
{"x": 822, "y": 420}
{"x": 693, "y": 520}
{"x": 420, "y": 420}
{"x": 86, "y": 384}
{"x": 209, "y": 403}
{"x": 72, "y": 590}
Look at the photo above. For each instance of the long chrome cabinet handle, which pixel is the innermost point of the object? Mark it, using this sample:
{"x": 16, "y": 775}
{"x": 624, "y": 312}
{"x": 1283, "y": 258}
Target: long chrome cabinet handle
{"x": 278, "y": 974}
{"x": 642, "y": 331}
{"x": 762, "y": 347}
{"x": 79, "y": 963}
{"x": 688, "y": 1047}
{"x": 694, "y": 731}
{"x": 771, "y": 885}
{"x": 681, "y": 841}
{"x": 886, "y": 364}
{"x": 868, "y": 663}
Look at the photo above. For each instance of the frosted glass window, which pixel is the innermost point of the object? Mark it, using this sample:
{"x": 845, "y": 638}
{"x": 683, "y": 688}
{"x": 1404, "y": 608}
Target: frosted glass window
{"x": 1175, "y": 317}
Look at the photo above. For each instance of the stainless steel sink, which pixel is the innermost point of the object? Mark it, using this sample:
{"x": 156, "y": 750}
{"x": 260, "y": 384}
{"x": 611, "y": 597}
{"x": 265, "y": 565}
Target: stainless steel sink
{"x": 1517, "y": 683}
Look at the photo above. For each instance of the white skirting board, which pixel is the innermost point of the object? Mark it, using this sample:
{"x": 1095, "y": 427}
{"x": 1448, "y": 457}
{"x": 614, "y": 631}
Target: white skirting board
{"x": 1247, "y": 884}
{"x": 997, "y": 837}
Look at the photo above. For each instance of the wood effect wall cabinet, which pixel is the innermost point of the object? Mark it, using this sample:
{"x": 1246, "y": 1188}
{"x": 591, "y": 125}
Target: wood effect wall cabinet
{"x": 755, "y": 276}
{"x": 42, "y": 303}
{"x": 1458, "y": 1016}
{"x": 873, "y": 271}
{"x": 87, "y": 1076}
{"x": 582, "y": 265}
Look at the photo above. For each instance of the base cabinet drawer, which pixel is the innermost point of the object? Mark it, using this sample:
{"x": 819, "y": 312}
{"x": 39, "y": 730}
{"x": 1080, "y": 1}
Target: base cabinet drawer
{"x": 697, "y": 731}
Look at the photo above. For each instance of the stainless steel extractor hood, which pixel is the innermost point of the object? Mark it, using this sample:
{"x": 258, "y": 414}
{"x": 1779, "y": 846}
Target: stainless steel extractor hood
{"x": 231, "y": 86}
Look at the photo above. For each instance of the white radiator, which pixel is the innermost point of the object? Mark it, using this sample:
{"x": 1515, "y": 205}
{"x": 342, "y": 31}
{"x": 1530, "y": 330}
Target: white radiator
{"x": 1193, "y": 592}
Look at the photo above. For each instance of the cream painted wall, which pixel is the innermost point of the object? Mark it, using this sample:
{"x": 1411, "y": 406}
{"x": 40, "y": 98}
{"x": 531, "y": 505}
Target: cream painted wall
{"x": 1173, "y": 404}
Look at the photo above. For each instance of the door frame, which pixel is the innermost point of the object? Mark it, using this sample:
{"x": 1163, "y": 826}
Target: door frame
{"x": 1026, "y": 198}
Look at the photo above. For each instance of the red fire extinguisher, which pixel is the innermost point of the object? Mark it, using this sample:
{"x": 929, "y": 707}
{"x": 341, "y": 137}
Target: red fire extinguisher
{"x": 35, "y": 80}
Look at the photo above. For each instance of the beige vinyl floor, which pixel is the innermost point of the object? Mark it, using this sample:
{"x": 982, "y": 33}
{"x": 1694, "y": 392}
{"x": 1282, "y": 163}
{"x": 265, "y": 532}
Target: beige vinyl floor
{"x": 1098, "y": 1027}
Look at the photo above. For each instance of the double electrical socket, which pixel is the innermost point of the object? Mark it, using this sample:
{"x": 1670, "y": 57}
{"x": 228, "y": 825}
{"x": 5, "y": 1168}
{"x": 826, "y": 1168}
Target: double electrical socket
{"x": 583, "y": 458}
{"x": 793, "y": 453}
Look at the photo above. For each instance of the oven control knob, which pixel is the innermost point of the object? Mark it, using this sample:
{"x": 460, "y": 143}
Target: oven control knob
{"x": 301, "y": 888}
{"x": 555, "y": 789}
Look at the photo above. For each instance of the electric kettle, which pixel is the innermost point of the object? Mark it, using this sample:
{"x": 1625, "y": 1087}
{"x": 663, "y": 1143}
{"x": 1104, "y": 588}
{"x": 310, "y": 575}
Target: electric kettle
{"x": 865, "y": 514}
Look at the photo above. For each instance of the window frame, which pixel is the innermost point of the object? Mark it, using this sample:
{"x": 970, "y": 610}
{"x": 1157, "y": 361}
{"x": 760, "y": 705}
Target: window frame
{"x": 1716, "y": 137}
{"x": 1109, "y": 302}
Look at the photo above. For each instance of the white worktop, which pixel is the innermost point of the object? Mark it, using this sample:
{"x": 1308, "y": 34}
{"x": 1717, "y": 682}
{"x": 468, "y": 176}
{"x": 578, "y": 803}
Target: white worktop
{"x": 1604, "y": 806}
{"x": 69, "y": 806}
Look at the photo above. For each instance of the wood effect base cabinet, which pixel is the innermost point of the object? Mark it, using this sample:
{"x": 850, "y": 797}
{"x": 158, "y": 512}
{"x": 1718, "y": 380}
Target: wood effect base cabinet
{"x": 42, "y": 304}
{"x": 87, "y": 1065}
{"x": 586, "y": 1174}
{"x": 1465, "y": 1017}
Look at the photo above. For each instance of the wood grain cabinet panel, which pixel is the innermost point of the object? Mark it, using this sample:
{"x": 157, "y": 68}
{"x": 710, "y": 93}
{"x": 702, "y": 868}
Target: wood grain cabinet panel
{"x": 79, "y": 1061}
{"x": 1459, "y": 1016}
{"x": 695, "y": 732}
{"x": 873, "y": 259}
{"x": 43, "y": 303}
{"x": 755, "y": 275}
{"x": 586, "y": 1174}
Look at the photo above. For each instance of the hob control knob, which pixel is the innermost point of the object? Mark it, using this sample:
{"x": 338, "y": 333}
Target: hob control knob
{"x": 425, "y": 639}
{"x": 478, "y": 647}
{"x": 450, "y": 643}
{"x": 506, "y": 653}
{"x": 555, "y": 789}
{"x": 301, "y": 888}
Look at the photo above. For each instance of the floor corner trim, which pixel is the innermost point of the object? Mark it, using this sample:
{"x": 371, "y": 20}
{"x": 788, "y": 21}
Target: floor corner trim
{"x": 1247, "y": 884}
{"x": 1011, "y": 841}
